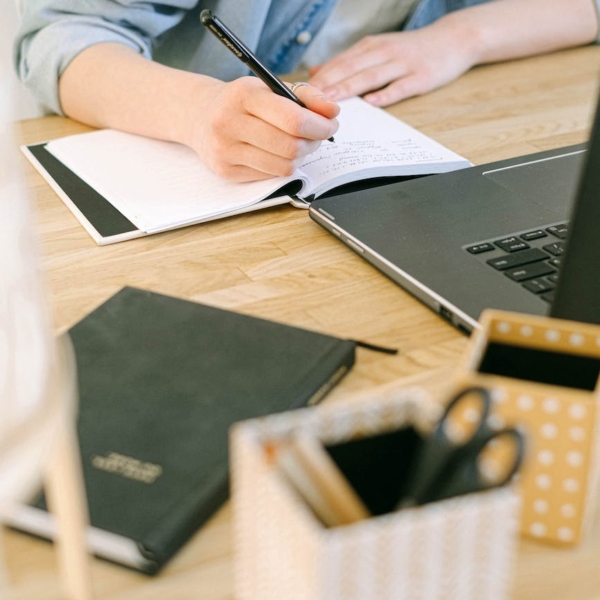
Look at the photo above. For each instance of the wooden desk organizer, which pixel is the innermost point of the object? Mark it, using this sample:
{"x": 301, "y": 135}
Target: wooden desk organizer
{"x": 457, "y": 548}
{"x": 543, "y": 374}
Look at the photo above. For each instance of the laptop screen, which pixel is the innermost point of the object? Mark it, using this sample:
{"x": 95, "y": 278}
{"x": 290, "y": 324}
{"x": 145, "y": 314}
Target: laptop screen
{"x": 578, "y": 291}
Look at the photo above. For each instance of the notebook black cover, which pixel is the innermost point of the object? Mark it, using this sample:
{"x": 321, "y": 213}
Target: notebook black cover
{"x": 94, "y": 208}
{"x": 160, "y": 381}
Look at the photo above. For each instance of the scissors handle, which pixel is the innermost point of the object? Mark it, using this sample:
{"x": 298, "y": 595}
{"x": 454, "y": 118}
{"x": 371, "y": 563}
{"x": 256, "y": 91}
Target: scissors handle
{"x": 465, "y": 474}
{"x": 445, "y": 467}
{"x": 484, "y": 404}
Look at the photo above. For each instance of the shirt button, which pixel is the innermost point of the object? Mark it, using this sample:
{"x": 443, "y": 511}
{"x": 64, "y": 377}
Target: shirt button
{"x": 304, "y": 37}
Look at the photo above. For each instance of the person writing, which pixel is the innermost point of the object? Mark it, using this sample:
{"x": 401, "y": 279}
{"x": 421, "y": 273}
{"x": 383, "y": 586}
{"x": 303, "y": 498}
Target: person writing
{"x": 150, "y": 68}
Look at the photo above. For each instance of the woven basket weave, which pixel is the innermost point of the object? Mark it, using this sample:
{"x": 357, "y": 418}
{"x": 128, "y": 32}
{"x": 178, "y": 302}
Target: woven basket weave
{"x": 458, "y": 548}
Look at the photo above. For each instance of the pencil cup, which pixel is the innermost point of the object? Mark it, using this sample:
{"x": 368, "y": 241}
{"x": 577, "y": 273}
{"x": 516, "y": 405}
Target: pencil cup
{"x": 543, "y": 374}
{"x": 456, "y": 548}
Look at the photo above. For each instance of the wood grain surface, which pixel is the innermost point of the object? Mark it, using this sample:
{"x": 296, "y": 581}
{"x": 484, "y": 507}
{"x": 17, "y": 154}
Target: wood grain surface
{"x": 278, "y": 264}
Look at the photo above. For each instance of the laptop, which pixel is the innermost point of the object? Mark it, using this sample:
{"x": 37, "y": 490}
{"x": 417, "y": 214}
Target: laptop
{"x": 521, "y": 234}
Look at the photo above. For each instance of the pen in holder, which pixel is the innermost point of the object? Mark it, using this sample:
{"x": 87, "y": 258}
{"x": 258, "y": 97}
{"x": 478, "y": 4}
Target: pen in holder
{"x": 460, "y": 547}
{"x": 543, "y": 375}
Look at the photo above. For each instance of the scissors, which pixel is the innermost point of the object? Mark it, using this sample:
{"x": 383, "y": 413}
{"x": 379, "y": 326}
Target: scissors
{"x": 445, "y": 467}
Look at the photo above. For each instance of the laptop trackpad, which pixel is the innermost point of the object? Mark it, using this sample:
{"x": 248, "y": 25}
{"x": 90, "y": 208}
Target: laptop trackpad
{"x": 547, "y": 182}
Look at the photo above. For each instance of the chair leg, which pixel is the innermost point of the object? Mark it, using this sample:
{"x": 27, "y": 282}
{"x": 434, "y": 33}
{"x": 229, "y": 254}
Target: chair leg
{"x": 67, "y": 502}
{"x": 4, "y": 590}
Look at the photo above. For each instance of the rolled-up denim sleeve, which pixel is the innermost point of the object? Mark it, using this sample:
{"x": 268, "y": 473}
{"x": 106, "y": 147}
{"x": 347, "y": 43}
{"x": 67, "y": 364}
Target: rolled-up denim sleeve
{"x": 53, "y": 32}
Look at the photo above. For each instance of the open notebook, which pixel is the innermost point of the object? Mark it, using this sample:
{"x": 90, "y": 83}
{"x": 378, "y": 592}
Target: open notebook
{"x": 121, "y": 185}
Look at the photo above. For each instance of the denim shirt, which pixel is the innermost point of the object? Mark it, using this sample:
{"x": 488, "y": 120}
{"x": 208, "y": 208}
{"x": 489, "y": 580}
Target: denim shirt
{"x": 53, "y": 32}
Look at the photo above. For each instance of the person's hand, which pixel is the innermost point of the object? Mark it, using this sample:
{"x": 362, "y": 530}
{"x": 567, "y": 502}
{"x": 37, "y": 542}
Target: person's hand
{"x": 243, "y": 131}
{"x": 390, "y": 67}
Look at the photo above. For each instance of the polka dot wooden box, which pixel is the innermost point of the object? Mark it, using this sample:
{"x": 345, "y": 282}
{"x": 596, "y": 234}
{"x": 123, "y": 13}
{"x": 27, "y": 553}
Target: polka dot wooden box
{"x": 460, "y": 548}
{"x": 543, "y": 373}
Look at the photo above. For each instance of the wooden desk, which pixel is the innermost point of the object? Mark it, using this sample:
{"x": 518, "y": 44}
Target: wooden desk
{"x": 280, "y": 265}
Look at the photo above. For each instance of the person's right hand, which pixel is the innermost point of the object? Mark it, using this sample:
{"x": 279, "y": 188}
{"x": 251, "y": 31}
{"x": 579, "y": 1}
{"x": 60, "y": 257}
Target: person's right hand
{"x": 243, "y": 131}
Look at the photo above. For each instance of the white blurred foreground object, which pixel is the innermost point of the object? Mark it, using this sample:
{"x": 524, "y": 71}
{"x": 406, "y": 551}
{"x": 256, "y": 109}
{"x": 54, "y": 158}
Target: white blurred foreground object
{"x": 37, "y": 373}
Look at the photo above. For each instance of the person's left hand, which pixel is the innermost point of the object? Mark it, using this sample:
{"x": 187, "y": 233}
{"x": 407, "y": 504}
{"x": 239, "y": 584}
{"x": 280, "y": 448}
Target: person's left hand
{"x": 390, "y": 67}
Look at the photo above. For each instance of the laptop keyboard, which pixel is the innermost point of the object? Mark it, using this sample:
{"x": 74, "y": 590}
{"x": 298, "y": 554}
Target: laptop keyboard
{"x": 531, "y": 258}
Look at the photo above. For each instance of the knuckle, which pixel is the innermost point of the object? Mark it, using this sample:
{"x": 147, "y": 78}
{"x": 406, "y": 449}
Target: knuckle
{"x": 222, "y": 168}
{"x": 238, "y": 86}
{"x": 420, "y": 85}
{"x": 238, "y": 91}
{"x": 291, "y": 148}
{"x": 293, "y": 122}
{"x": 287, "y": 168}
{"x": 313, "y": 146}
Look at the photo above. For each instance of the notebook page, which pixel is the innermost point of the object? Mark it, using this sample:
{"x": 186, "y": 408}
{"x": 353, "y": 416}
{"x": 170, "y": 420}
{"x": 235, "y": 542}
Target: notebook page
{"x": 373, "y": 143}
{"x": 157, "y": 185}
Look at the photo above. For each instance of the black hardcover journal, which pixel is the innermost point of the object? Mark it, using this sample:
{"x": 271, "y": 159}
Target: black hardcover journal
{"x": 161, "y": 380}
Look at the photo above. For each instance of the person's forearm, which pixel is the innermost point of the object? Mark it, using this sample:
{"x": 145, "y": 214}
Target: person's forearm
{"x": 110, "y": 85}
{"x": 241, "y": 130}
{"x": 506, "y": 29}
